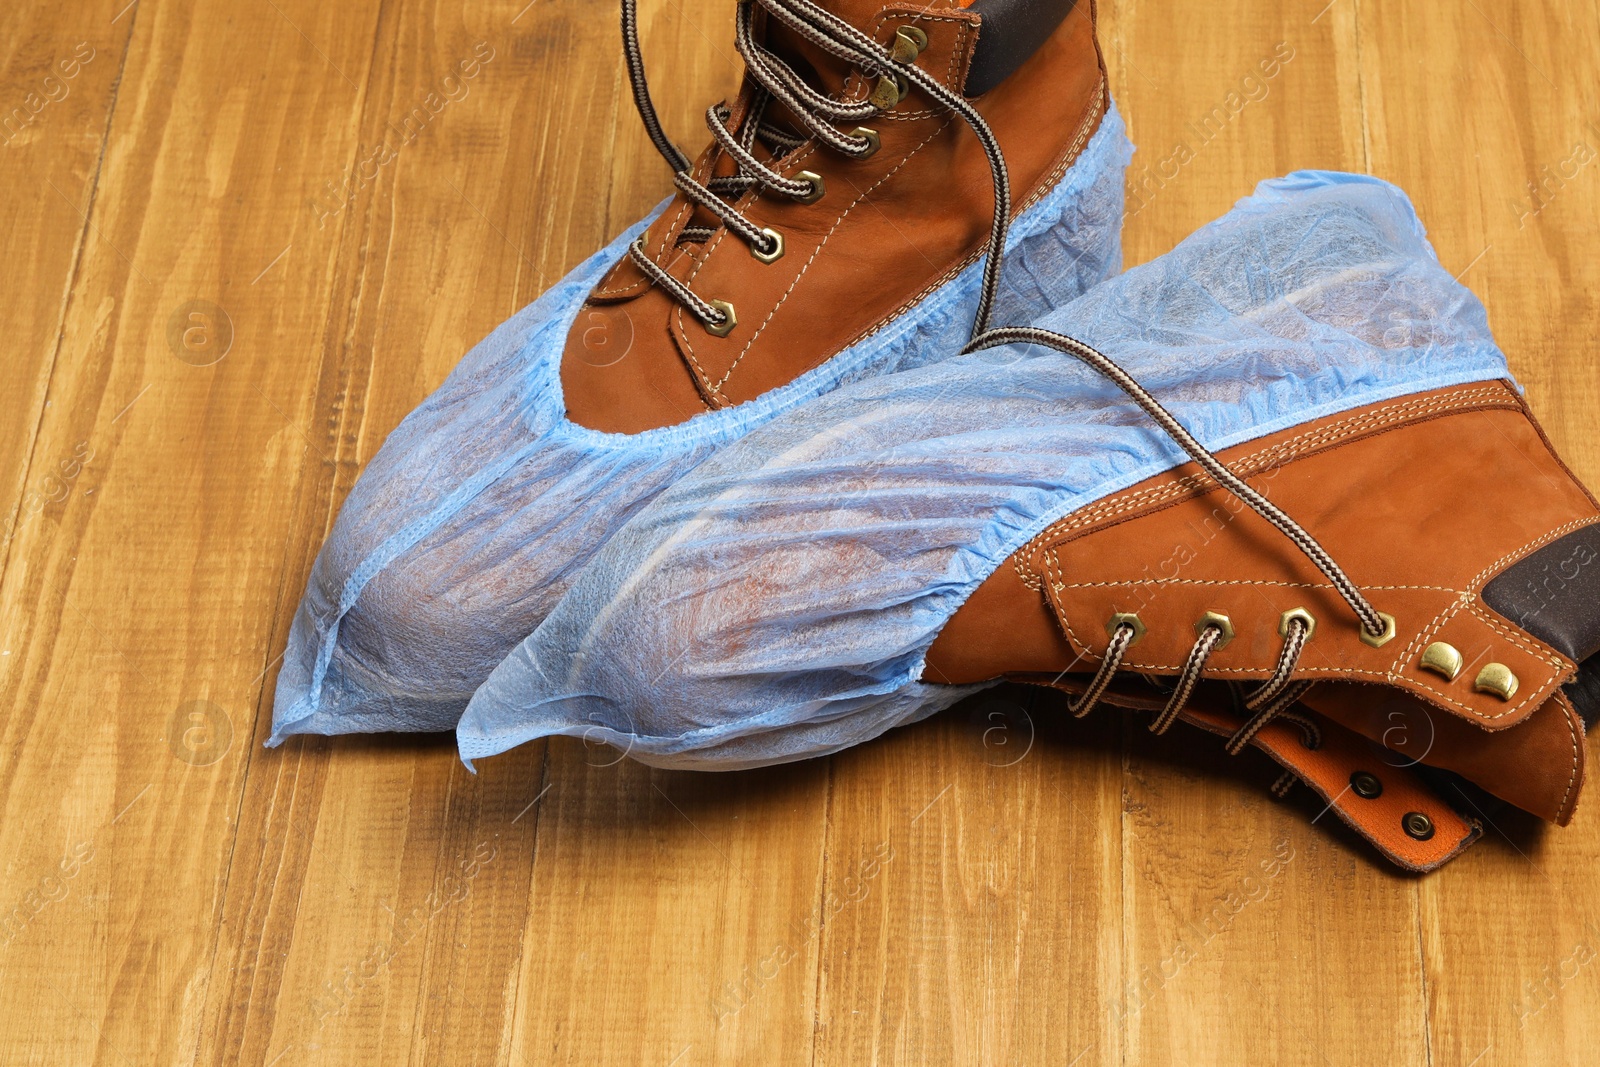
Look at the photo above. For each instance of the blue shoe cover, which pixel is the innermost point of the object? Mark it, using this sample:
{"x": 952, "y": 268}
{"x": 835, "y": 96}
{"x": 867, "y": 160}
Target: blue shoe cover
{"x": 778, "y": 602}
{"x": 484, "y": 504}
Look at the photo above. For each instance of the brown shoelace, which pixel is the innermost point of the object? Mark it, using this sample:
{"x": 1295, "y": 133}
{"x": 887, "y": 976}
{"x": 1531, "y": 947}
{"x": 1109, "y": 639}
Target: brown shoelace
{"x": 1271, "y": 701}
{"x": 776, "y": 80}
{"x": 818, "y": 112}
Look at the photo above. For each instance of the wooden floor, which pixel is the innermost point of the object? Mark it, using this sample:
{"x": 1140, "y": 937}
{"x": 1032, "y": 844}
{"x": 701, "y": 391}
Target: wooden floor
{"x": 236, "y": 254}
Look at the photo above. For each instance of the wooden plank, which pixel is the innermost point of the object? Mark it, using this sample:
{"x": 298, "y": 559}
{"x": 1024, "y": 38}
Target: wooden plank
{"x": 669, "y": 916}
{"x": 1237, "y": 900}
{"x": 176, "y": 894}
{"x": 59, "y": 74}
{"x": 972, "y": 907}
{"x": 138, "y": 615}
{"x": 1497, "y": 139}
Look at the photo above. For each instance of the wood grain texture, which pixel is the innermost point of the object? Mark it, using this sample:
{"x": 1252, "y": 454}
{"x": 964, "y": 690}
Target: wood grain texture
{"x": 237, "y": 253}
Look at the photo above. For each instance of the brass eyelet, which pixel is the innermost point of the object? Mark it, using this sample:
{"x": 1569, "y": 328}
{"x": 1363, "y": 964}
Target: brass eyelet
{"x": 888, "y": 92}
{"x": 729, "y": 321}
{"x": 1126, "y": 618}
{"x": 818, "y": 186}
{"x": 1389, "y": 629}
{"x": 872, "y": 139}
{"x": 909, "y": 43}
{"x": 1298, "y": 613}
{"x": 777, "y": 247}
{"x": 1221, "y": 622}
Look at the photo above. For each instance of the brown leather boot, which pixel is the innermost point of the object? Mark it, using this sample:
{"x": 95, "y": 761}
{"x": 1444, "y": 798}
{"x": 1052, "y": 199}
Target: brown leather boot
{"x": 832, "y": 199}
{"x": 1372, "y": 566}
{"x": 1469, "y": 533}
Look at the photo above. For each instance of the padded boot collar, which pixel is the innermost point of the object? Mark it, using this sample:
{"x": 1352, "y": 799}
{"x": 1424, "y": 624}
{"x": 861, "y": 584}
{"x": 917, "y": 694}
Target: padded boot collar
{"x": 1009, "y": 32}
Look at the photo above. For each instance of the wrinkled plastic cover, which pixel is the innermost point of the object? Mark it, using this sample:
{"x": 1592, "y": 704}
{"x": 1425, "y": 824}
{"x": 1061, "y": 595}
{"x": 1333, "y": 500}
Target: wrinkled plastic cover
{"x": 484, "y": 504}
{"x": 778, "y": 602}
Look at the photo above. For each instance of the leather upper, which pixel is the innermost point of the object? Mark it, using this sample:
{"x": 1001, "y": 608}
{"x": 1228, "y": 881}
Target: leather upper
{"x": 1424, "y": 501}
{"x": 888, "y": 231}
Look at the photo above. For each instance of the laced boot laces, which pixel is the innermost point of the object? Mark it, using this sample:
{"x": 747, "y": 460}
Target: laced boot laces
{"x": 819, "y": 113}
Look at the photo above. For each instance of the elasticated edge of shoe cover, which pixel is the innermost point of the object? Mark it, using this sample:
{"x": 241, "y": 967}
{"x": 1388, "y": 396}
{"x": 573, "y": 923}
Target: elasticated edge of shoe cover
{"x": 483, "y": 505}
{"x": 778, "y": 602}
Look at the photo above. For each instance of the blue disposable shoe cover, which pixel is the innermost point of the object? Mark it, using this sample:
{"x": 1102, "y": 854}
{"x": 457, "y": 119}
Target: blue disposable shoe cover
{"x": 778, "y": 602}
{"x": 484, "y": 504}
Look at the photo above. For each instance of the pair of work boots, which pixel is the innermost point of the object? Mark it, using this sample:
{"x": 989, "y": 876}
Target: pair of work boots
{"x": 847, "y": 431}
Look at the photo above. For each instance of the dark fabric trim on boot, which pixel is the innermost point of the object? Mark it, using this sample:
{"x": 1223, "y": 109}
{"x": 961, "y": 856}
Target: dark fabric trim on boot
{"x": 1010, "y": 32}
{"x": 1554, "y": 594}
